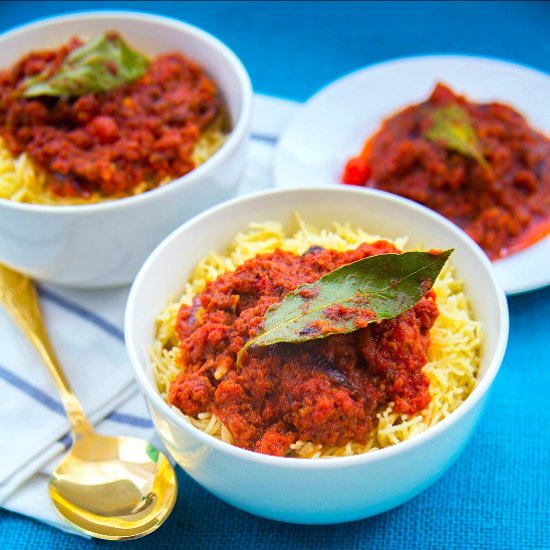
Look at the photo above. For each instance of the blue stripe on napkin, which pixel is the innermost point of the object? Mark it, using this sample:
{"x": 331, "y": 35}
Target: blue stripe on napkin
{"x": 82, "y": 312}
{"x": 44, "y": 399}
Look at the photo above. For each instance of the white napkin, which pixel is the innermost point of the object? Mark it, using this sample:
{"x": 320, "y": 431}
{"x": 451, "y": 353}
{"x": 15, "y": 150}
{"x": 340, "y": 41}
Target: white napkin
{"x": 86, "y": 328}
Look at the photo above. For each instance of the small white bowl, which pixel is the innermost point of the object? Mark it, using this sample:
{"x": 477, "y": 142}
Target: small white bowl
{"x": 104, "y": 244}
{"x": 323, "y": 490}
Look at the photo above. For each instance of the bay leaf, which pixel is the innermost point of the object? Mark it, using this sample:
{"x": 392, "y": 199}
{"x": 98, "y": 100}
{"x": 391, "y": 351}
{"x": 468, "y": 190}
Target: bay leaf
{"x": 350, "y": 297}
{"x": 100, "y": 65}
{"x": 452, "y": 128}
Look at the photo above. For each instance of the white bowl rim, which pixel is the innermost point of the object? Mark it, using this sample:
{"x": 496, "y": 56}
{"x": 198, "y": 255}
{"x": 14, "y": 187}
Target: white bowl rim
{"x": 334, "y": 462}
{"x": 238, "y": 132}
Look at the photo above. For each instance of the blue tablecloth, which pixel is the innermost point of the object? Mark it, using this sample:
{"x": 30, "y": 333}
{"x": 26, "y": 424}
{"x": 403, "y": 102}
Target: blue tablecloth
{"x": 498, "y": 493}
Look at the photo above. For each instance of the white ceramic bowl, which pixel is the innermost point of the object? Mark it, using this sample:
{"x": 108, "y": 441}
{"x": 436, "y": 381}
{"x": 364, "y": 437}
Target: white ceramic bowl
{"x": 104, "y": 244}
{"x": 323, "y": 490}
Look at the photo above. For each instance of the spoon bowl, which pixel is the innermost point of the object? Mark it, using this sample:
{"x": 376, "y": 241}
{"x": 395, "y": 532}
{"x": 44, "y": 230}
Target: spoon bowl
{"x": 121, "y": 487}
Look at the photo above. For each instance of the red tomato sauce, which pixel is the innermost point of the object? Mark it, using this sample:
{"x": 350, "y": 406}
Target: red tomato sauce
{"x": 326, "y": 390}
{"x": 110, "y": 142}
{"x": 504, "y": 208}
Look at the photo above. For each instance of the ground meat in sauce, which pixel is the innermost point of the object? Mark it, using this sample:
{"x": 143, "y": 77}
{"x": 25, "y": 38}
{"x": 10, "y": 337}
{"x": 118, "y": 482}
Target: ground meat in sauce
{"x": 504, "y": 208}
{"x": 327, "y": 390}
{"x": 109, "y": 142}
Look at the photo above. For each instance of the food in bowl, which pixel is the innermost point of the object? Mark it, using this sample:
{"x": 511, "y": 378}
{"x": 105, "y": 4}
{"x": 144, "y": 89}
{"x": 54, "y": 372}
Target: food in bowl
{"x": 97, "y": 120}
{"x": 479, "y": 164}
{"x": 320, "y": 395}
{"x": 103, "y": 244}
{"x": 293, "y": 489}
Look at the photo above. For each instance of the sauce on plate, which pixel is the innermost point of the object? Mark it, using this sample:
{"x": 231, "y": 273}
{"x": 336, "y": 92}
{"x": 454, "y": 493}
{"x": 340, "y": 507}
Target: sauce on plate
{"x": 502, "y": 202}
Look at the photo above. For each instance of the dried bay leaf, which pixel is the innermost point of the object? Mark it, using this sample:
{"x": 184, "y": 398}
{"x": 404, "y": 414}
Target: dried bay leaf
{"x": 453, "y": 129}
{"x": 350, "y": 297}
{"x": 100, "y": 65}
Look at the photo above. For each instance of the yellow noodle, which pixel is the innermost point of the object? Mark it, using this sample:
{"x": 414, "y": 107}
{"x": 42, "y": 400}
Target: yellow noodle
{"x": 453, "y": 357}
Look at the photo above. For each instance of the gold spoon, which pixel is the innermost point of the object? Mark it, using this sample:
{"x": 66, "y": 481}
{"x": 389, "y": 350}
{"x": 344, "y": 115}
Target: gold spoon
{"x": 108, "y": 487}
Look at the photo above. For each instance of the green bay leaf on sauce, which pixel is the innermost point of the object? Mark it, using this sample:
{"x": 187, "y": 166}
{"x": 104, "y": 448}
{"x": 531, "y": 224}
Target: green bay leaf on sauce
{"x": 452, "y": 128}
{"x": 350, "y": 297}
{"x": 102, "y": 64}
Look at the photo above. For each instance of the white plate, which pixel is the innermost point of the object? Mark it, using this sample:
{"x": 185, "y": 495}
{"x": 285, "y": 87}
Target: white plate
{"x": 333, "y": 125}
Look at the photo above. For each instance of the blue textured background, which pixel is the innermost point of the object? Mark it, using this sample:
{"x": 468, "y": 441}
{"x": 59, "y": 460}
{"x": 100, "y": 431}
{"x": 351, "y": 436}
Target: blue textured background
{"x": 498, "y": 493}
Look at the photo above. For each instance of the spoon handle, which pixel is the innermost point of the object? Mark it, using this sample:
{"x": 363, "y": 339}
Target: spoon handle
{"x": 18, "y": 294}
